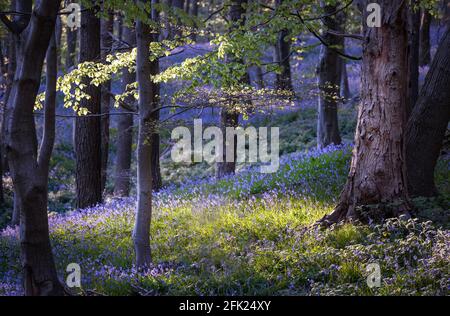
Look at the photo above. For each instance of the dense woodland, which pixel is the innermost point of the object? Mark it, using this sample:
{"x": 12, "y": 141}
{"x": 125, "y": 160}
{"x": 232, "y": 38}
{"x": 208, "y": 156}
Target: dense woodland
{"x": 90, "y": 99}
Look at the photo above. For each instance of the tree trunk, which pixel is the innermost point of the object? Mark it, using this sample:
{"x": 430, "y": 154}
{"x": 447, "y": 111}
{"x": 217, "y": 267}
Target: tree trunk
{"x": 71, "y": 61}
{"x": 329, "y": 84}
{"x": 12, "y": 65}
{"x": 187, "y": 6}
{"x": 156, "y": 165}
{"x": 228, "y": 117}
{"x": 144, "y": 69}
{"x": 378, "y": 170}
{"x": 88, "y": 129}
{"x": 413, "y": 57}
{"x": 283, "y": 47}
{"x": 2, "y": 196}
{"x": 425, "y": 46}
{"x": 107, "y": 28}
{"x": 125, "y": 130}
{"x": 71, "y": 55}
{"x": 28, "y": 169}
{"x": 427, "y": 125}
{"x": 194, "y": 13}
{"x": 345, "y": 86}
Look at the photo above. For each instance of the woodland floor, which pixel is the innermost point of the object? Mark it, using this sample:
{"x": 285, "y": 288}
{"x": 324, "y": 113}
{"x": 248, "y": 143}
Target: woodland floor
{"x": 252, "y": 235}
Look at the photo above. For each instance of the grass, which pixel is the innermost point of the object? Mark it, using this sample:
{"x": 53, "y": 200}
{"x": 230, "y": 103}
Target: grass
{"x": 251, "y": 235}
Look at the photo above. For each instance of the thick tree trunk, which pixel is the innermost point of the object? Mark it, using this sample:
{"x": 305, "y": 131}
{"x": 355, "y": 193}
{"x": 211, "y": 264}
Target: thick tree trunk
{"x": 228, "y": 117}
{"x": 378, "y": 169}
{"x": 88, "y": 128}
{"x": 125, "y": 130}
{"x": 329, "y": 84}
{"x": 30, "y": 171}
{"x": 425, "y": 46}
{"x": 428, "y": 123}
{"x": 107, "y": 28}
{"x": 413, "y": 57}
{"x": 144, "y": 69}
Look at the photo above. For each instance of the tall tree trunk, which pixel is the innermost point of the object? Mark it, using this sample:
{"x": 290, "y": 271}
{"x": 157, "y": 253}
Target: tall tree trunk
{"x": 125, "y": 129}
{"x": 283, "y": 47}
{"x": 427, "y": 125}
{"x": 259, "y": 78}
{"x": 12, "y": 65}
{"x": 71, "y": 61}
{"x": 178, "y": 4}
{"x": 2, "y": 196}
{"x": 345, "y": 92}
{"x": 187, "y": 6}
{"x": 378, "y": 168}
{"x": 155, "y": 163}
{"x": 107, "y": 28}
{"x": 425, "y": 46}
{"x": 413, "y": 57}
{"x": 194, "y": 13}
{"x": 144, "y": 69}
{"x": 329, "y": 83}
{"x": 88, "y": 129}
{"x": 230, "y": 118}
{"x": 28, "y": 169}
{"x": 71, "y": 55}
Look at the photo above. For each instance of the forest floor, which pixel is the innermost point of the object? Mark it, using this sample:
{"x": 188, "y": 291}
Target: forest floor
{"x": 252, "y": 234}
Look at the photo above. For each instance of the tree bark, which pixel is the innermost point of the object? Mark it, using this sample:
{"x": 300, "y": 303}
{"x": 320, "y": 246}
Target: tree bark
{"x": 194, "y": 13}
{"x": 229, "y": 117}
{"x": 28, "y": 169}
{"x": 125, "y": 130}
{"x": 144, "y": 69}
{"x": 329, "y": 83}
{"x": 156, "y": 165}
{"x": 284, "y": 80}
{"x": 377, "y": 174}
{"x": 428, "y": 123}
{"x": 107, "y": 28}
{"x": 71, "y": 55}
{"x": 71, "y": 61}
{"x": 88, "y": 129}
{"x": 425, "y": 46}
{"x": 345, "y": 92}
{"x": 413, "y": 57}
